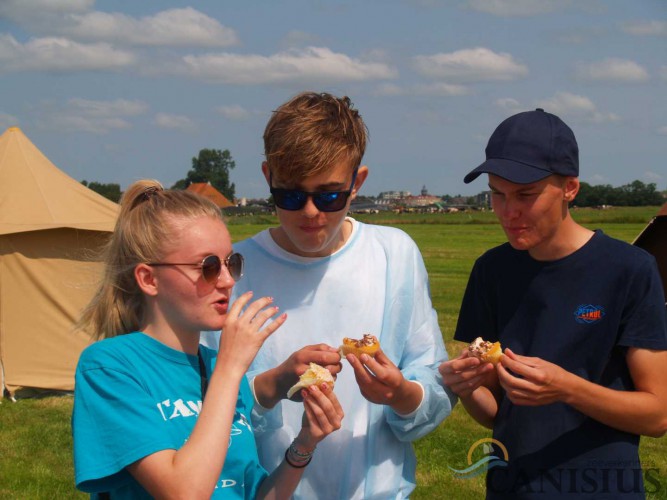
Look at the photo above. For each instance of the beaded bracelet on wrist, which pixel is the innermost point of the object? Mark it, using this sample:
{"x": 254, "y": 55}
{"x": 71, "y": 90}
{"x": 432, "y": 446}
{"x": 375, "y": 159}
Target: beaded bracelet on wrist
{"x": 300, "y": 465}
{"x": 294, "y": 451}
{"x": 296, "y": 459}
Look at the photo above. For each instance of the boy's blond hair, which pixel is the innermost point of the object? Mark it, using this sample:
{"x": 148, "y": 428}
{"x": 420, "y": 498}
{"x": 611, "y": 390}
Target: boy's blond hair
{"x": 311, "y": 133}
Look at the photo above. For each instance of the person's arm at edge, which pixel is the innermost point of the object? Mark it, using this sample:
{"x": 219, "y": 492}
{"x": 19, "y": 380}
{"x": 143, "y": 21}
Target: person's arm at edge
{"x": 482, "y": 404}
{"x": 642, "y": 411}
{"x": 476, "y": 385}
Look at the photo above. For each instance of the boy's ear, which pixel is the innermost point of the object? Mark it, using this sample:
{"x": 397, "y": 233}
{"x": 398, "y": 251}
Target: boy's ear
{"x": 265, "y": 171}
{"x": 362, "y": 174}
{"x": 571, "y": 189}
{"x": 143, "y": 274}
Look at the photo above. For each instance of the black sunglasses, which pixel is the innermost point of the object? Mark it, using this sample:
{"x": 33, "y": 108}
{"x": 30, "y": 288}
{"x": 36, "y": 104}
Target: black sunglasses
{"x": 325, "y": 201}
{"x": 211, "y": 267}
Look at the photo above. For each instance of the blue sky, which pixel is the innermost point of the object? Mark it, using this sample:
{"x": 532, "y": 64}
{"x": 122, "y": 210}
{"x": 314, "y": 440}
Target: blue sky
{"x": 114, "y": 91}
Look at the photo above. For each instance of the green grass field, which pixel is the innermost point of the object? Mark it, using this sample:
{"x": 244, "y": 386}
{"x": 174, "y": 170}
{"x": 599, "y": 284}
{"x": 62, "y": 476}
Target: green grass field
{"x": 35, "y": 440}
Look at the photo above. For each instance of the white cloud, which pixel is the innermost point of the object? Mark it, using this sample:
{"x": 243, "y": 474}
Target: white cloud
{"x": 296, "y": 38}
{"x": 389, "y": 90}
{"x": 175, "y": 27}
{"x": 71, "y": 123}
{"x": 440, "y": 89}
{"x": 75, "y": 19}
{"x": 310, "y": 65}
{"x": 375, "y": 55}
{"x": 234, "y": 112}
{"x": 7, "y": 121}
{"x": 97, "y": 117}
{"x": 509, "y": 104}
{"x": 645, "y": 28}
{"x": 25, "y": 11}
{"x": 612, "y": 70}
{"x": 596, "y": 179}
{"x": 650, "y": 176}
{"x": 119, "y": 107}
{"x": 516, "y": 8}
{"x": 59, "y": 55}
{"x": 174, "y": 122}
{"x": 470, "y": 65}
{"x": 435, "y": 89}
{"x": 576, "y": 107}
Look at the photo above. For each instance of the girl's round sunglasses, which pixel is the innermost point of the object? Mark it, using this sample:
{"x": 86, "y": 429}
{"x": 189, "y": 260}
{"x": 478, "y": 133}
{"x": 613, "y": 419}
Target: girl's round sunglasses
{"x": 324, "y": 201}
{"x": 211, "y": 267}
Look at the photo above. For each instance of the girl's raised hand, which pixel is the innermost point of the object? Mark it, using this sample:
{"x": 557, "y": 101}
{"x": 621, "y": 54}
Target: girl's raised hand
{"x": 245, "y": 330}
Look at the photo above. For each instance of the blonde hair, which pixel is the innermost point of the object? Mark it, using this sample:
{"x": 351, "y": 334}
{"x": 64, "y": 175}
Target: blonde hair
{"x": 311, "y": 133}
{"x": 144, "y": 227}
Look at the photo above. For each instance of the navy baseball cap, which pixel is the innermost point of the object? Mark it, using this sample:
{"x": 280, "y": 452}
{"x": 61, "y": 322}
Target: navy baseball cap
{"x": 528, "y": 147}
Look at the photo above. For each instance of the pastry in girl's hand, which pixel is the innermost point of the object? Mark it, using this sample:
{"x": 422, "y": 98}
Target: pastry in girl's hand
{"x": 315, "y": 375}
{"x": 487, "y": 352}
{"x": 368, "y": 344}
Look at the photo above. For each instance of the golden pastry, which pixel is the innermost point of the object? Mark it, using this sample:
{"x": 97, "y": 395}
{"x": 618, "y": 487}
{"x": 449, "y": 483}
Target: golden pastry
{"x": 315, "y": 375}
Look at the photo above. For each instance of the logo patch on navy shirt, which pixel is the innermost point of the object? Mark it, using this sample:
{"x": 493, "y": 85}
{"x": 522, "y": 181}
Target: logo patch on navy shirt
{"x": 588, "y": 313}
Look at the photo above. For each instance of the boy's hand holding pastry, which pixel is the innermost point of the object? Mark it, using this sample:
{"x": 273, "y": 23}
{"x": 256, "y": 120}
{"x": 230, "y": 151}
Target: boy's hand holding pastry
{"x": 273, "y": 385}
{"x": 464, "y": 374}
{"x": 380, "y": 380}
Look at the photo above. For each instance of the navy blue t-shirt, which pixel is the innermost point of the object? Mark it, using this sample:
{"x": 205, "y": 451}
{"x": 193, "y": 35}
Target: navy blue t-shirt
{"x": 581, "y": 312}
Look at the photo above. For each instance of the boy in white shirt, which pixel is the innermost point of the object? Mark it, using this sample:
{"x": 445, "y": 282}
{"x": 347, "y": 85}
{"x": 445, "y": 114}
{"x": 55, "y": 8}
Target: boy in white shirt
{"x": 336, "y": 277}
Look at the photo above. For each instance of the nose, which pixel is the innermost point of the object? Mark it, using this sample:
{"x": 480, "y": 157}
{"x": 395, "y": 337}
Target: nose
{"x": 508, "y": 208}
{"x": 225, "y": 279}
{"x": 309, "y": 209}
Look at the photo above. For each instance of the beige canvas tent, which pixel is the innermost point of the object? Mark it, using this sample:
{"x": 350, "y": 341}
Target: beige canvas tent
{"x": 653, "y": 239}
{"x": 51, "y": 228}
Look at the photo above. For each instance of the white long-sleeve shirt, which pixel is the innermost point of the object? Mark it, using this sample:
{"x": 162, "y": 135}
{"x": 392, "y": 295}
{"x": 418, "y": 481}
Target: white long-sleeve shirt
{"x": 376, "y": 283}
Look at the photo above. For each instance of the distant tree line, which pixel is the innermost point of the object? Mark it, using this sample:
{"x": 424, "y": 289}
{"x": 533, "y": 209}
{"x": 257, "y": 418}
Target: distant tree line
{"x": 635, "y": 194}
{"x": 109, "y": 191}
{"x": 212, "y": 165}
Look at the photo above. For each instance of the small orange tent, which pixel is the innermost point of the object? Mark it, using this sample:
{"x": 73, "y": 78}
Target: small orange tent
{"x": 51, "y": 229}
{"x": 206, "y": 190}
{"x": 653, "y": 239}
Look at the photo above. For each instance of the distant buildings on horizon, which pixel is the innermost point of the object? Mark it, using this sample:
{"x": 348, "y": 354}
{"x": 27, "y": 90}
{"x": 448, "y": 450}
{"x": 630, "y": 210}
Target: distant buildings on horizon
{"x": 392, "y": 201}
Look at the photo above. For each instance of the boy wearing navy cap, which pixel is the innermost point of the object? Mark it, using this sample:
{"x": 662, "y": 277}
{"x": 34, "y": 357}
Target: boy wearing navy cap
{"x": 582, "y": 319}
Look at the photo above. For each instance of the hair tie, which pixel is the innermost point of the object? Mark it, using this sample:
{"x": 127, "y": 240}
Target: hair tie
{"x": 148, "y": 193}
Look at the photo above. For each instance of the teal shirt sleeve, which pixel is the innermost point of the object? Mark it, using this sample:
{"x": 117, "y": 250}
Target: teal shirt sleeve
{"x": 110, "y": 424}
